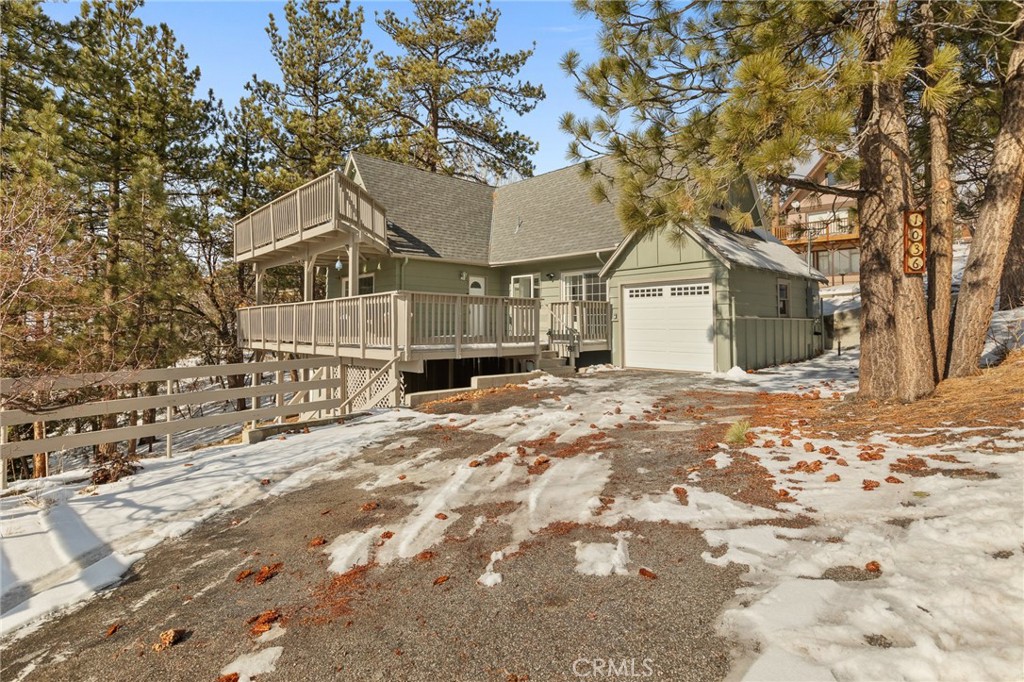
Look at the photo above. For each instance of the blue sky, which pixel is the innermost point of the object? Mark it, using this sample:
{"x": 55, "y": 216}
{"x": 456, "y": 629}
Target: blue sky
{"x": 227, "y": 41}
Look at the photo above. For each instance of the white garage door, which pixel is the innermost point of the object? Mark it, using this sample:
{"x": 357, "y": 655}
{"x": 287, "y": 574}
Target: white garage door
{"x": 669, "y": 326}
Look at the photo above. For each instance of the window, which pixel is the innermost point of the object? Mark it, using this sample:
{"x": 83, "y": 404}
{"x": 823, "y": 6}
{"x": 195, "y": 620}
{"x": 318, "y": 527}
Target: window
{"x": 524, "y": 286}
{"x": 365, "y": 285}
{"x": 838, "y": 262}
{"x": 584, "y": 286}
{"x": 783, "y": 297}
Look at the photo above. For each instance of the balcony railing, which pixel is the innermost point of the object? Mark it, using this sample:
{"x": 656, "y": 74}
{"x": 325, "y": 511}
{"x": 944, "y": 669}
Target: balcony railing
{"x": 819, "y": 231}
{"x": 327, "y": 203}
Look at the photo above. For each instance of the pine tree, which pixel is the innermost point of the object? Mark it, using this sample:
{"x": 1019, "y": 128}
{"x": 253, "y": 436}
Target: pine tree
{"x": 449, "y": 89}
{"x": 322, "y": 108}
{"x": 33, "y": 51}
{"x": 691, "y": 101}
{"x": 134, "y": 144}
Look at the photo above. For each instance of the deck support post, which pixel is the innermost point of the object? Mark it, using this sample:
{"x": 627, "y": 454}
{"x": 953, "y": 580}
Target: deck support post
{"x": 353, "y": 264}
{"x": 259, "y": 284}
{"x": 308, "y": 275}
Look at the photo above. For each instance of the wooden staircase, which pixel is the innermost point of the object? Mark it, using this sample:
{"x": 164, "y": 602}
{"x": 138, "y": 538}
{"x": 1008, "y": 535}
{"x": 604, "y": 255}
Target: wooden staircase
{"x": 554, "y": 365}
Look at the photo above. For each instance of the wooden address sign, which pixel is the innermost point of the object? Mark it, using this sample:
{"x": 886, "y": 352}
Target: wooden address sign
{"x": 915, "y": 243}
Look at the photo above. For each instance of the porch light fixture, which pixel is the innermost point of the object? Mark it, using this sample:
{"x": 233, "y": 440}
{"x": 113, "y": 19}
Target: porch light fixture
{"x": 462, "y": 275}
{"x": 551, "y": 276}
{"x": 338, "y": 265}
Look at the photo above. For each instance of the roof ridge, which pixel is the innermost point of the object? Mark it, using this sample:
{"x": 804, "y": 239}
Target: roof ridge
{"x": 409, "y": 166}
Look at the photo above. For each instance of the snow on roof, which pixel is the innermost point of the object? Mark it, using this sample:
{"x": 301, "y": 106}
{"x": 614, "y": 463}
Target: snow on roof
{"x": 757, "y": 249}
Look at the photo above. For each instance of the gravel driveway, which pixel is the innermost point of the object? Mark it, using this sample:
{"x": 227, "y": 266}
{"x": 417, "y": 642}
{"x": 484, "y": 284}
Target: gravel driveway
{"x": 509, "y": 471}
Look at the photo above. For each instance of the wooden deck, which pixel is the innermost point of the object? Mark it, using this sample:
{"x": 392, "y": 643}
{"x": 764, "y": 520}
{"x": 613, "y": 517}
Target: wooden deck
{"x": 820, "y": 232}
{"x": 413, "y": 325}
{"x": 323, "y": 211}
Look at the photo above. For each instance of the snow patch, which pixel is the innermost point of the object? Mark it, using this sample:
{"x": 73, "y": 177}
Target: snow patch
{"x": 248, "y": 666}
{"x": 603, "y": 558}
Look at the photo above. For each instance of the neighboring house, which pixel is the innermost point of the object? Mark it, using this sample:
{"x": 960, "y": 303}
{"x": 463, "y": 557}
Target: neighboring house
{"x": 455, "y": 278}
{"x": 822, "y": 227}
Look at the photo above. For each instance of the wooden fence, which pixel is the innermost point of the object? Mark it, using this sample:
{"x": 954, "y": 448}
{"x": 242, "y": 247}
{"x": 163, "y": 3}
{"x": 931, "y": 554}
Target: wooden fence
{"x": 321, "y": 389}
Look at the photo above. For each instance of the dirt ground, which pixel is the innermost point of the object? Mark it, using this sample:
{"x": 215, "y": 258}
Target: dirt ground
{"x": 426, "y": 618}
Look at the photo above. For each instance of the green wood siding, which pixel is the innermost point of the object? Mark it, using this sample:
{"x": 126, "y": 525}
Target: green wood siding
{"x": 550, "y": 289}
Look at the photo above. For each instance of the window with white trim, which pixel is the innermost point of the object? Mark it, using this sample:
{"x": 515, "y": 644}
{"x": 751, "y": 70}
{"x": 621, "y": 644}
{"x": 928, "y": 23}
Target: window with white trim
{"x": 524, "y": 286}
{"x": 366, "y": 285}
{"x": 584, "y": 286}
{"x": 782, "y": 291}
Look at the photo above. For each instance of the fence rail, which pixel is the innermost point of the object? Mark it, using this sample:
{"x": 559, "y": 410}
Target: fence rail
{"x": 325, "y": 201}
{"x": 321, "y": 388}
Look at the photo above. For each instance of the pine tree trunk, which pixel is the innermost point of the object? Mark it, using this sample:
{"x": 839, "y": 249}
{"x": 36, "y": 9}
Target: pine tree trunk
{"x": 896, "y": 358}
{"x": 995, "y": 224}
{"x": 1011, "y": 288}
{"x": 941, "y": 224}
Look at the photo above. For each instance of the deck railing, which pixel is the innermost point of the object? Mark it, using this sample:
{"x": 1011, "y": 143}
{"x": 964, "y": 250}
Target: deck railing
{"x": 819, "y": 231}
{"x": 403, "y": 322}
{"x": 329, "y": 198}
{"x": 591, "y": 319}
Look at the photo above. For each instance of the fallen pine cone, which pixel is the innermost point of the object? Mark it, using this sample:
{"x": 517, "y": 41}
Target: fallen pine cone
{"x": 243, "y": 575}
{"x": 317, "y": 541}
{"x": 425, "y": 556}
{"x": 681, "y": 495}
{"x": 808, "y": 447}
{"x": 842, "y": 462}
{"x": 787, "y": 443}
{"x": 401, "y": 477}
{"x": 831, "y": 478}
{"x": 650, "y": 575}
{"x": 168, "y": 638}
{"x": 768, "y": 444}
{"x": 262, "y": 622}
{"x": 870, "y": 485}
{"x": 112, "y": 629}
{"x": 441, "y": 579}
{"x": 267, "y": 572}
{"x": 265, "y": 481}
{"x": 873, "y": 567}
{"x": 475, "y": 463}
{"x": 783, "y": 493}
{"x": 441, "y": 516}
{"x": 369, "y": 506}
{"x": 387, "y": 535}
{"x": 229, "y": 677}
{"x": 892, "y": 479}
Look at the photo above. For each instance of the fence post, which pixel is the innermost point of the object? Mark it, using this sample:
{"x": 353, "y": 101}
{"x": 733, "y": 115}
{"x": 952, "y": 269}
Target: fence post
{"x": 3, "y": 461}
{"x": 257, "y": 379}
{"x": 343, "y": 388}
{"x": 169, "y": 417}
{"x": 278, "y": 379}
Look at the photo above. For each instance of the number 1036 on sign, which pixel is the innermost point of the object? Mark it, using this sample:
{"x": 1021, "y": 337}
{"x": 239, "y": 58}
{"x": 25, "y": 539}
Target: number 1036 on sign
{"x": 915, "y": 243}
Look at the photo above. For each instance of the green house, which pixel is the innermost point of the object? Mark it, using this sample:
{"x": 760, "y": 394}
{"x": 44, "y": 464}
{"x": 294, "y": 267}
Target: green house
{"x": 430, "y": 279}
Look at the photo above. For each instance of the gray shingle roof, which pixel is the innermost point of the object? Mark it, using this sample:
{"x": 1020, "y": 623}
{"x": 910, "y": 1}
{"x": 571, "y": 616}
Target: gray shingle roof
{"x": 429, "y": 214}
{"x": 549, "y": 215}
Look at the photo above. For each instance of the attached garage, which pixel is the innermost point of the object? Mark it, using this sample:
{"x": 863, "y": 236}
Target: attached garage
{"x": 669, "y": 326}
{"x": 705, "y": 298}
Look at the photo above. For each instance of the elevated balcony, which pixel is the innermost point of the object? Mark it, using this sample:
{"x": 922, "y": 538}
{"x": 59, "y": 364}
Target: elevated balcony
{"x": 413, "y": 325}
{"x": 819, "y": 232}
{"x": 324, "y": 213}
